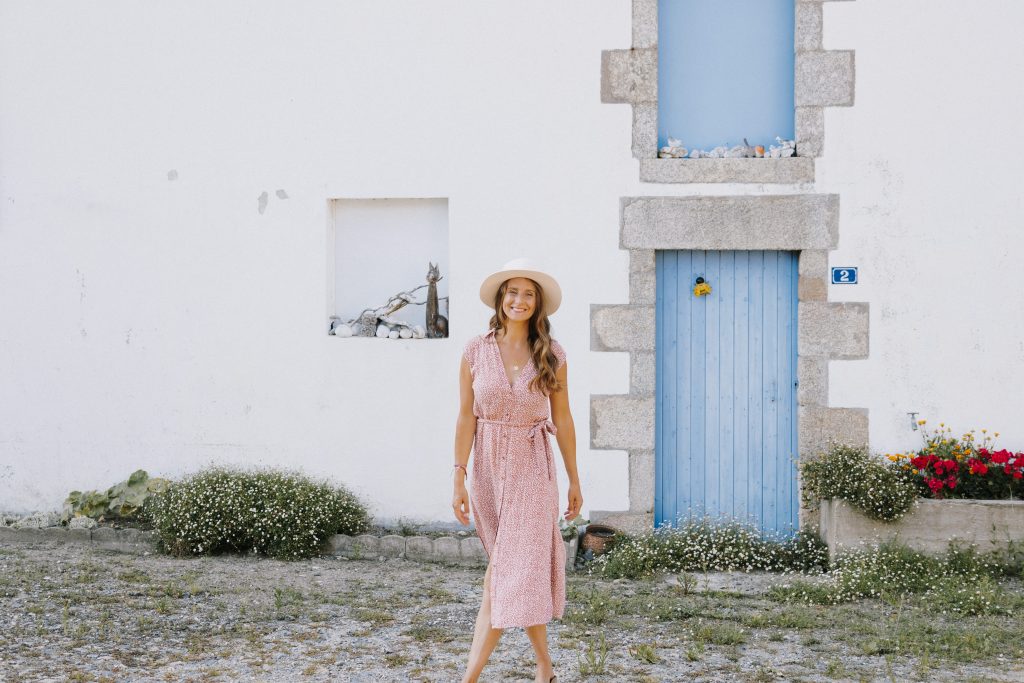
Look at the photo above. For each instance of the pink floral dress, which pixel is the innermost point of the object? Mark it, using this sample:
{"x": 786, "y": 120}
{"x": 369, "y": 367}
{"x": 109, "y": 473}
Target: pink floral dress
{"x": 514, "y": 489}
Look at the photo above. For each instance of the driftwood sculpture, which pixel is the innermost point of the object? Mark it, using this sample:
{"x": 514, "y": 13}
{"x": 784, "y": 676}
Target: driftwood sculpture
{"x": 380, "y": 321}
{"x": 437, "y": 324}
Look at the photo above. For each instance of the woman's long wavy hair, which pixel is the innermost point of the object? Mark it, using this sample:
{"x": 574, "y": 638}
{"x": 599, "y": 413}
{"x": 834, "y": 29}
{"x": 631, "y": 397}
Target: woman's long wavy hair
{"x": 544, "y": 359}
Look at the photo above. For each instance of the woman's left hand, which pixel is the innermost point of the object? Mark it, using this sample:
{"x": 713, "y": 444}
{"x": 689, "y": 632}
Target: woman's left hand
{"x": 575, "y": 501}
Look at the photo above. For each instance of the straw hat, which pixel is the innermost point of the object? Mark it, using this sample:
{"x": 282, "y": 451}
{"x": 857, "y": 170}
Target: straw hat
{"x": 522, "y": 267}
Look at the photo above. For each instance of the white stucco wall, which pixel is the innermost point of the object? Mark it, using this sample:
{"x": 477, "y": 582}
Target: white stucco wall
{"x": 928, "y": 167}
{"x": 165, "y": 324}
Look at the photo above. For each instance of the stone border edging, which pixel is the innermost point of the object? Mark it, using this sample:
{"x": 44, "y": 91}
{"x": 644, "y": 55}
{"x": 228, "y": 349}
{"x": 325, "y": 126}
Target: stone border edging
{"x": 466, "y": 550}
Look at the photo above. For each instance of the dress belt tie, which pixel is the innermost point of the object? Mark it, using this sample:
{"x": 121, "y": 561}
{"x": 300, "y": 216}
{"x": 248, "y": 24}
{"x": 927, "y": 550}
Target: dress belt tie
{"x": 538, "y": 437}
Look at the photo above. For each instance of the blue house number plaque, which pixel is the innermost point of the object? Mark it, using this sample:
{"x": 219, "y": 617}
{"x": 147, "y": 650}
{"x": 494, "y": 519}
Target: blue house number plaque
{"x": 844, "y": 276}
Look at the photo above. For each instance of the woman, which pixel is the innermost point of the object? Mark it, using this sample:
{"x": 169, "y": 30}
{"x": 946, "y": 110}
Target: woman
{"x": 514, "y": 391}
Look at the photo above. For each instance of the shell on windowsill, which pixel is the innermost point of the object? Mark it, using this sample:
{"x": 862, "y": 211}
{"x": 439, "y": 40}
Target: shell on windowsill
{"x": 674, "y": 150}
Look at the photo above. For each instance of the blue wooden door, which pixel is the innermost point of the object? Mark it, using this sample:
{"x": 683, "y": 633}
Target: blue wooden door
{"x": 725, "y": 396}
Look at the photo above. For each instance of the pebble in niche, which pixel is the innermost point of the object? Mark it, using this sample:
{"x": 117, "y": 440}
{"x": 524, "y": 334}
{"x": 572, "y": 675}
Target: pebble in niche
{"x": 676, "y": 150}
{"x": 382, "y": 321}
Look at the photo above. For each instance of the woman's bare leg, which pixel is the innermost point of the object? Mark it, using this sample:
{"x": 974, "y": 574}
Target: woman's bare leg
{"x": 538, "y": 636}
{"x": 485, "y": 638}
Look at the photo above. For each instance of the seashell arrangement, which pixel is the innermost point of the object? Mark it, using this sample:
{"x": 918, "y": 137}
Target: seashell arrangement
{"x": 676, "y": 150}
{"x": 785, "y": 148}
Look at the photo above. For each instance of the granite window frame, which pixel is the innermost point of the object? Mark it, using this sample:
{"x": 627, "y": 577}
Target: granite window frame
{"x": 822, "y": 78}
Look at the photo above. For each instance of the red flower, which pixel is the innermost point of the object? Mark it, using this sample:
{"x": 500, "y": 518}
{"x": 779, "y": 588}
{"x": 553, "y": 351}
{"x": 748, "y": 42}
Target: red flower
{"x": 1001, "y": 457}
{"x": 921, "y": 462}
{"x": 977, "y": 467}
{"x": 983, "y": 453}
{"x": 951, "y": 481}
{"x": 934, "y": 484}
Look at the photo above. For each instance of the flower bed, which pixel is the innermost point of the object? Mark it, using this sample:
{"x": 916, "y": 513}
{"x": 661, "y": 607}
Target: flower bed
{"x": 929, "y": 526}
{"x": 962, "y": 467}
{"x": 952, "y": 489}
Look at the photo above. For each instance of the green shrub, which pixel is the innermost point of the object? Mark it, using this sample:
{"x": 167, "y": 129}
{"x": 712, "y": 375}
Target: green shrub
{"x": 962, "y": 581}
{"x": 123, "y": 500}
{"x": 280, "y": 514}
{"x": 853, "y": 474}
{"x": 704, "y": 544}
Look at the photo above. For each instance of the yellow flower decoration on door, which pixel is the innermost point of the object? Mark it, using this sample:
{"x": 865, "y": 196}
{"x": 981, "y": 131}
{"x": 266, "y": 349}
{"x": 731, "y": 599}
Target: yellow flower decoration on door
{"x": 701, "y": 288}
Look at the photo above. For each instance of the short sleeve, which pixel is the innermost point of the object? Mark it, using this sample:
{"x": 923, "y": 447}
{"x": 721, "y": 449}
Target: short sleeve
{"x": 469, "y": 352}
{"x": 559, "y": 352}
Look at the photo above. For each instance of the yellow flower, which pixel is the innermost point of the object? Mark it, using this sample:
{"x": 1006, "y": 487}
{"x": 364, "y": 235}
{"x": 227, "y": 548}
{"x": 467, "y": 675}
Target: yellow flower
{"x": 942, "y": 424}
{"x": 921, "y": 422}
{"x": 893, "y": 458}
{"x": 984, "y": 431}
{"x": 997, "y": 433}
{"x": 915, "y": 471}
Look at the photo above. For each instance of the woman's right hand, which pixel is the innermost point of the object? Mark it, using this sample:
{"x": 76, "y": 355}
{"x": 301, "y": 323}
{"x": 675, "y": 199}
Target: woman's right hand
{"x": 460, "y": 503}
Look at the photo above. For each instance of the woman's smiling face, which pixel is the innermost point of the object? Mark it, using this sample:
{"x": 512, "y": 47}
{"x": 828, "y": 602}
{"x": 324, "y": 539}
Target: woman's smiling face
{"x": 520, "y": 300}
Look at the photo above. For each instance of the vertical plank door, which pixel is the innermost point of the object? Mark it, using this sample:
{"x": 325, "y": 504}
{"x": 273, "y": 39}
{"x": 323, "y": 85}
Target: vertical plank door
{"x": 725, "y": 397}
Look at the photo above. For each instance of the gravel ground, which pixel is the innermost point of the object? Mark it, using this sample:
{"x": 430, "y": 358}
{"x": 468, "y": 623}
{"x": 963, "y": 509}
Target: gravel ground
{"x": 75, "y": 613}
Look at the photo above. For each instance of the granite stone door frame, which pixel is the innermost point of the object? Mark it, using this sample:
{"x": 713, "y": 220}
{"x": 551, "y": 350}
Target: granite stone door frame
{"x": 826, "y": 330}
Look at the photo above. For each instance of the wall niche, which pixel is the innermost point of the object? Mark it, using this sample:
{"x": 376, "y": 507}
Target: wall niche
{"x": 725, "y": 74}
{"x": 388, "y": 268}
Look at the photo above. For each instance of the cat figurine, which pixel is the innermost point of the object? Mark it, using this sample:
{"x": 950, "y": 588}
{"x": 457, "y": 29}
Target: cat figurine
{"x": 437, "y": 324}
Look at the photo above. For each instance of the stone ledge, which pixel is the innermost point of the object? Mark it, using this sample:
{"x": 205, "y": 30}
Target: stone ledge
{"x": 929, "y": 526}
{"x": 787, "y": 171}
{"x": 466, "y": 550}
{"x": 793, "y": 222}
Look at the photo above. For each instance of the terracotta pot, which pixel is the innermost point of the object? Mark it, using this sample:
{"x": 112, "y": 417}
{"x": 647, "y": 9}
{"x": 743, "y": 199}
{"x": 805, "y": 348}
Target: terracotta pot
{"x": 598, "y": 538}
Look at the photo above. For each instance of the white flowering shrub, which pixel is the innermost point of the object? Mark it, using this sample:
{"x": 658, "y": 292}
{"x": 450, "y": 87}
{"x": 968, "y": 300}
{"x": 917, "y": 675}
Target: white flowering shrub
{"x": 281, "y": 514}
{"x": 707, "y": 544}
{"x": 961, "y": 582}
{"x": 853, "y": 474}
